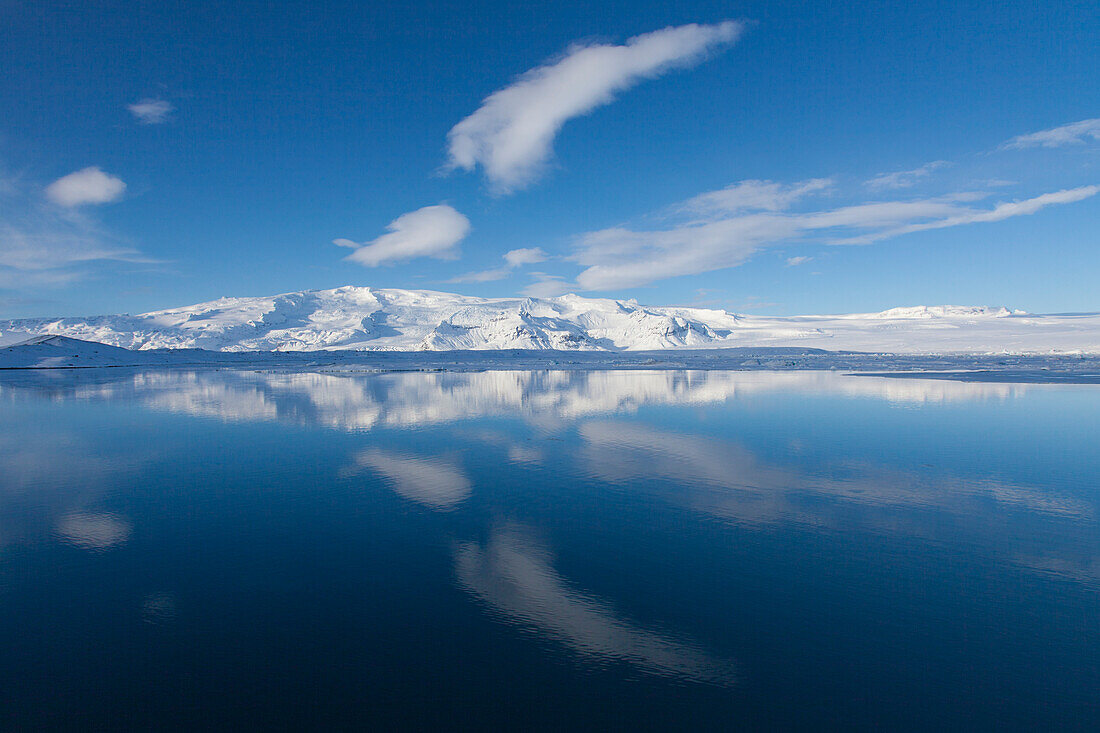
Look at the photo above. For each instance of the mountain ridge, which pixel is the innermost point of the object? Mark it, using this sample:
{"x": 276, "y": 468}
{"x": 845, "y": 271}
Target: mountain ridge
{"x": 380, "y": 319}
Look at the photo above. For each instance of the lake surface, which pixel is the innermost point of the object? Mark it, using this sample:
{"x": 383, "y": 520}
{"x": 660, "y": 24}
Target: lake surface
{"x": 533, "y": 550}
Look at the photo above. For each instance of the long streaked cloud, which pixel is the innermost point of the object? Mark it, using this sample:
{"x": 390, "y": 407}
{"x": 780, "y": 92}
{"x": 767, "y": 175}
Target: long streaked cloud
{"x": 151, "y": 111}
{"x": 1075, "y": 133}
{"x": 999, "y": 212}
{"x": 620, "y": 257}
{"x": 86, "y": 186}
{"x": 433, "y": 231}
{"x": 512, "y": 259}
{"x": 906, "y": 179}
{"x": 511, "y": 135}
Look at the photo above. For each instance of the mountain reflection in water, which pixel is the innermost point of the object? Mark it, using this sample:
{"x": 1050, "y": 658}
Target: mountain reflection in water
{"x": 669, "y": 526}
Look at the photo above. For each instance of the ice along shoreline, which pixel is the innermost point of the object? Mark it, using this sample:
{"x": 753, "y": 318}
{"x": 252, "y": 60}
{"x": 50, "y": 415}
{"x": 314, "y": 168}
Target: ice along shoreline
{"x": 59, "y": 352}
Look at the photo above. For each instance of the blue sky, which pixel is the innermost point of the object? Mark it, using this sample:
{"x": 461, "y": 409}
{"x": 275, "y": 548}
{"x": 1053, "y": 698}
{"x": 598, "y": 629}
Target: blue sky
{"x": 766, "y": 157}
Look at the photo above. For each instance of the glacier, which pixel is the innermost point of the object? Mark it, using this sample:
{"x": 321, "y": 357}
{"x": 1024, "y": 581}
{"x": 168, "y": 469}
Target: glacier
{"x": 357, "y": 318}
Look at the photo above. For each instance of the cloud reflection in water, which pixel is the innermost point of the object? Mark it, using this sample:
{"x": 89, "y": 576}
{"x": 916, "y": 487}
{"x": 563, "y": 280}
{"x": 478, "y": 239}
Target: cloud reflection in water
{"x": 437, "y": 483}
{"x": 515, "y": 577}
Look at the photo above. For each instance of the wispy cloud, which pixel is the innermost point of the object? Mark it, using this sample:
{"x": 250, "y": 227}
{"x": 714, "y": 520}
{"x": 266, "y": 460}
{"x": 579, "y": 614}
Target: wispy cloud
{"x": 1075, "y": 133}
{"x": 151, "y": 111}
{"x": 796, "y": 261}
{"x": 512, "y": 259}
{"x": 753, "y": 195}
{"x": 906, "y": 179}
{"x": 548, "y": 286}
{"x": 511, "y": 135}
{"x": 973, "y": 216}
{"x": 754, "y": 303}
{"x": 46, "y": 245}
{"x": 87, "y": 186}
{"x": 620, "y": 257}
{"x": 433, "y": 231}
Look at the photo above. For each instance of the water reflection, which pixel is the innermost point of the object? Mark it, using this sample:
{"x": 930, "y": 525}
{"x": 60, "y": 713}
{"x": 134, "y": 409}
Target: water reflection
{"x": 51, "y": 481}
{"x": 727, "y": 479}
{"x": 437, "y": 483}
{"x": 94, "y": 531}
{"x": 366, "y": 401}
{"x": 573, "y": 431}
{"x": 724, "y": 480}
{"x": 514, "y": 575}
{"x": 158, "y": 609}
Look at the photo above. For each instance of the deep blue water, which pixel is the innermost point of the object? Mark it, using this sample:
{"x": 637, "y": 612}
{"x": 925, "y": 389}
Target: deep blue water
{"x": 547, "y": 550}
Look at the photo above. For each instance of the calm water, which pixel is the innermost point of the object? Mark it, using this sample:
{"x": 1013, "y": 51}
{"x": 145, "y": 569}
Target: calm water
{"x": 537, "y": 550}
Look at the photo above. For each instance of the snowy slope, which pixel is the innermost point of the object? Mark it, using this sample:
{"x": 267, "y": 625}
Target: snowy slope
{"x": 47, "y": 352}
{"x": 361, "y": 318}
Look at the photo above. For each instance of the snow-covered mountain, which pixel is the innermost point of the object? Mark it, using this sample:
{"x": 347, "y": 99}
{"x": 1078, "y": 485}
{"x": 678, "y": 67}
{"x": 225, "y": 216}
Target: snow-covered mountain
{"x": 362, "y": 318}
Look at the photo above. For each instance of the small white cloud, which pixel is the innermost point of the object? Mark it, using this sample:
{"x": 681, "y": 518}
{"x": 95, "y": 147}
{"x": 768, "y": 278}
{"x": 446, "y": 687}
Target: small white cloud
{"x": 512, "y": 133}
{"x": 1075, "y": 133}
{"x": 524, "y": 256}
{"x": 87, "y": 186}
{"x": 906, "y": 179}
{"x": 151, "y": 111}
{"x": 796, "y": 261}
{"x": 433, "y": 231}
{"x": 512, "y": 259}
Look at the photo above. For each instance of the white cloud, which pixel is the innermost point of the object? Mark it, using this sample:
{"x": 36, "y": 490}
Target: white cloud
{"x": 44, "y": 245}
{"x": 796, "y": 261}
{"x": 524, "y": 256}
{"x": 483, "y": 276}
{"x": 512, "y": 133}
{"x": 512, "y": 259}
{"x": 880, "y": 213}
{"x": 56, "y": 244}
{"x": 548, "y": 286}
{"x": 433, "y": 231}
{"x": 1075, "y": 133}
{"x": 620, "y": 257}
{"x": 1000, "y": 212}
{"x": 87, "y": 186}
{"x": 905, "y": 179}
{"x": 151, "y": 111}
{"x": 753, "y": 195}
